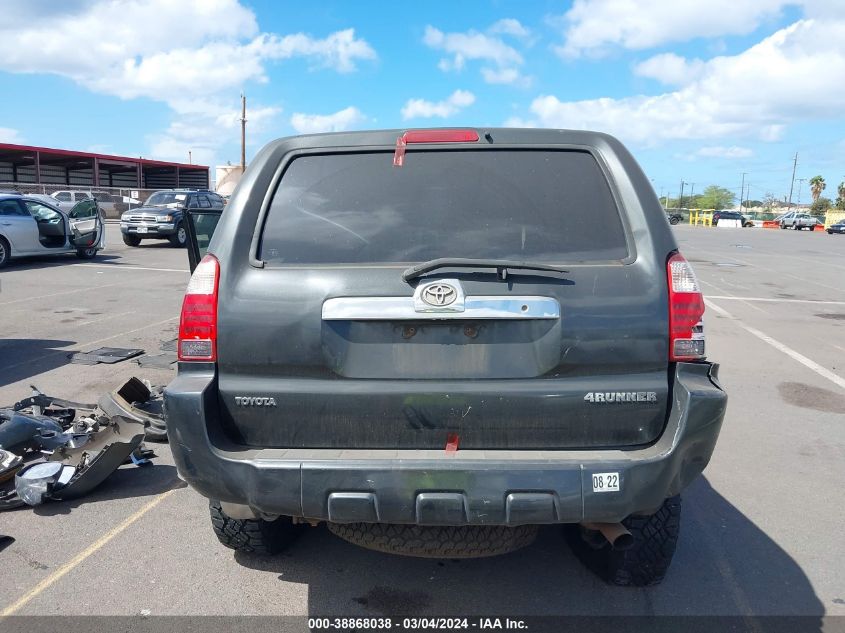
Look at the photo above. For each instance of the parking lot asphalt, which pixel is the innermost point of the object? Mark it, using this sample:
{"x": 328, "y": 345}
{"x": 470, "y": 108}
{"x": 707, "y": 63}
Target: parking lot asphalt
{"x": 761, "y": 530}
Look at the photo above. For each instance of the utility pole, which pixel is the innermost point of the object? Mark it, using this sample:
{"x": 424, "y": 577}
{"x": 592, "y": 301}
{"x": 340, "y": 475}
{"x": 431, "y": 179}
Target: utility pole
{"x": 692, "y": 194}
{"x": 661, "y": 196}
{"x": 681, "y": 196}
{"x": 792, "y": 184}
{"x": 243, "y": 133}
{"x": 742, "y": 190}
{"x": 800, "y": 182}
{"x": 189, "y": 157}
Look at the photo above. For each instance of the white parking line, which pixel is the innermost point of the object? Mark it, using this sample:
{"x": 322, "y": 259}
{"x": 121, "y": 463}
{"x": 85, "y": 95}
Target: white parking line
{"x": 63, "y": 292}
{"x": 836, "y": 379}
{"x": 130, "y": 267}
{"x": 769, "y": 300}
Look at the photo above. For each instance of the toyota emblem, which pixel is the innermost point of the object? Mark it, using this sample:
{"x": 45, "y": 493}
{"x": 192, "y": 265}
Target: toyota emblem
{"x": 439, "y": 294}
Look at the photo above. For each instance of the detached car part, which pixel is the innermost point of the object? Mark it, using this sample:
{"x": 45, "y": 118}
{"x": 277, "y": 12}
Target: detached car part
{"x": 20, "y": 432}
{"x": 9, "y": 464}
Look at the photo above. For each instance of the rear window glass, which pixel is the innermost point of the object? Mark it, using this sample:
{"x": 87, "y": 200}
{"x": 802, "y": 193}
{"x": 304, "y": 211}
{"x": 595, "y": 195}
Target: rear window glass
{"x": 550, "y": 206}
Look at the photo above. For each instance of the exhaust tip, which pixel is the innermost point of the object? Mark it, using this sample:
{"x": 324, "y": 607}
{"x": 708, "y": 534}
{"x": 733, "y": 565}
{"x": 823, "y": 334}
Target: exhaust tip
{"x": 619, "y": 538}
{"x": 623, "y": 542}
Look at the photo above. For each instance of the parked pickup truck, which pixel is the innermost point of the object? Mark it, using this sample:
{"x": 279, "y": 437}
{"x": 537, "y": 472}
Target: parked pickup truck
{"x": 436, "y": 340}
{"x": 797, "y": 221}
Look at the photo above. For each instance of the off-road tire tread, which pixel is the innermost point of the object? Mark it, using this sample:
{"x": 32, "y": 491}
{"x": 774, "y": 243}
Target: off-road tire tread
{"x": 644, "y": 564}
{"x": 253, "y": 536}
{"x": 423, "y": 541}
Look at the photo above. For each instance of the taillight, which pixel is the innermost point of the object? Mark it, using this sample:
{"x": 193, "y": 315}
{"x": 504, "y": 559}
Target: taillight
{"x": 686, "y": 309}
{"x": 430, "y": 136}
{"x": 440, "y": 136}
{"x": 198, "y": 322}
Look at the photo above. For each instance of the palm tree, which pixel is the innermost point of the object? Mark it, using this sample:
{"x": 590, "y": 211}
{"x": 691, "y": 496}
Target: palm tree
{"x": 817, "y": 185}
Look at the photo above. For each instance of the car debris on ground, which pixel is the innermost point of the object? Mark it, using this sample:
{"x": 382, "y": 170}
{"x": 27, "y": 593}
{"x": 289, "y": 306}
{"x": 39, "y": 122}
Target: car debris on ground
{"x": 56, "y": 449}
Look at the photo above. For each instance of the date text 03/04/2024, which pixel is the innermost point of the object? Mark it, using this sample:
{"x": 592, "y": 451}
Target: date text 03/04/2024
{"x": 415, "y": 624}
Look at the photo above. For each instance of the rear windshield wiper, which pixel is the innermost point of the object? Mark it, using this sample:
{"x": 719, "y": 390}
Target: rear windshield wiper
{"x": 501, "y": 265}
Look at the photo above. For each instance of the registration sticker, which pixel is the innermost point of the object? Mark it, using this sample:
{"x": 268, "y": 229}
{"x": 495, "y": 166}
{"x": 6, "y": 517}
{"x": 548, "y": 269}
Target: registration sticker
{"x": 606, "y": 482}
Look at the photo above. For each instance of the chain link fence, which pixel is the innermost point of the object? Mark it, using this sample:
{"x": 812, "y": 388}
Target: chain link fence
{"x": 112, "y": 200}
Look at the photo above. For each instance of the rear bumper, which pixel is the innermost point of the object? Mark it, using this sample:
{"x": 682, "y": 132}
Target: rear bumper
{"x": 439, "y": 488}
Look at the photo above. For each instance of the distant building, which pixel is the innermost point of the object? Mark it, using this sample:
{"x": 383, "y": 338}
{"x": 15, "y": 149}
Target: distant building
{"x": 48, "y": 169}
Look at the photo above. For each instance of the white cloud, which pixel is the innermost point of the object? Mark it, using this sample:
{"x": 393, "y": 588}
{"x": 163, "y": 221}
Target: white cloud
{"x": 505, "y": 76}
{"x": 339, "y": 51}
{"x": 338, "y": 122}
{"x": 510, "y": 26}
{"x": 200, "y": 126}
{"x": 593, "y": 27}
{"x": 733, "y": 151}
{"x": 9, "y": 135}
{"x": 187, "y": 54}
{"x": 752, "y": 95}
{"x": 454, "y": 103}
{"x": 670, "y": 69}
{"x": 476, "y": 46}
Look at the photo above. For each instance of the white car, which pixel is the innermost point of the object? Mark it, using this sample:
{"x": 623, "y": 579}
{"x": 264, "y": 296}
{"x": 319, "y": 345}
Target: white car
{"x": 65, "y": 200}
{"x": 31, "y": 226}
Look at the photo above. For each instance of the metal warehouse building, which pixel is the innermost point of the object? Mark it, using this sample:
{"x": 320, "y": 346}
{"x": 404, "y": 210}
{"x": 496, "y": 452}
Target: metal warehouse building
{"x": 45, "y": 169}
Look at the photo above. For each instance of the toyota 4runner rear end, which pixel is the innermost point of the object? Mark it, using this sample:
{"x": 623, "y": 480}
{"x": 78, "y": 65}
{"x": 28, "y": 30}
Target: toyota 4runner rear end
{"x": 436, "y": 340}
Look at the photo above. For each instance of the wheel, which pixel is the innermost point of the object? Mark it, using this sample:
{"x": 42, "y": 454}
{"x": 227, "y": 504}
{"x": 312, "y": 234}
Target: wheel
{"x": 180, "y": 238}
{"x": 424, "y": 541}
{"x": 782, "y": 226}
{"x": 254, "y": 536}
{"x": 829, "y": 232}
{"x": 131, "y": 240}
{"x": 86, "y": 253}
{"x": 674, "y": 221}
{"x": 646, "y": 562}
{"x": 5, "y": 252}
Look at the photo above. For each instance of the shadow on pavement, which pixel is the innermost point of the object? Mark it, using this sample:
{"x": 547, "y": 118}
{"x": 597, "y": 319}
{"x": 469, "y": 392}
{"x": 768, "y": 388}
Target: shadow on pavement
{"x": 21, "y": 358}
{"x": 725, "y": 565}
{"x": 126, "y": 482}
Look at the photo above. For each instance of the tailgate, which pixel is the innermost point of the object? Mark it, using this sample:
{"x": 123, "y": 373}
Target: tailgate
{"x": 326, "y": 346}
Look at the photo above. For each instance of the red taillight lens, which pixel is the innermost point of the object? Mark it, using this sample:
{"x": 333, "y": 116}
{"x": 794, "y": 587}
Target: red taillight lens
{"x": 198, "y": 322}
{"x": 440, "y": 136}
{"x": 686, "y": 309}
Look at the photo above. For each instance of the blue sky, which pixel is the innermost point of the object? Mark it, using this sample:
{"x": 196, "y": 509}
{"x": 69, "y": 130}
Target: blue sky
{"x": 699, "y": 91}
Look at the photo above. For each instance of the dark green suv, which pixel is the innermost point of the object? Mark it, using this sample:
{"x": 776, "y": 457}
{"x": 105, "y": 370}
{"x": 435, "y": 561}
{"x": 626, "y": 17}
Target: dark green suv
{"x": 436, "y": 340}
{"x": 162, "y": 216}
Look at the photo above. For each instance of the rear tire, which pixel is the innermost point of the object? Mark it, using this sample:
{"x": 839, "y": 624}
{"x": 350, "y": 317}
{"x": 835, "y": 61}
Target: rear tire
{"x": 86, "y": 253}
{"x": 647, "y": 561}
{"x": 180, "y": 238}
{"x": 427, "y": 541}
{"x": 5, "y": 252}
{"x": 253, "y": 536}
{"x": 131, "y": 240}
